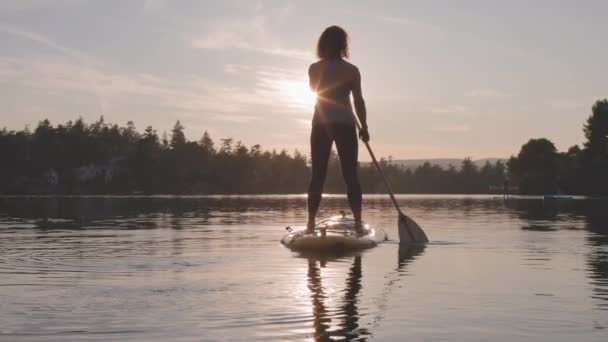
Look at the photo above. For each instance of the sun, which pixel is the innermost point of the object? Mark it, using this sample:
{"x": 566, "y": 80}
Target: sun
{"x": 298, "y": 93}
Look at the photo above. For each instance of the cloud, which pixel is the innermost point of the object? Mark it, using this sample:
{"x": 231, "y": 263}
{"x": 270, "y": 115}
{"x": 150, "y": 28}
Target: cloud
{"x": 282, "y": 52}
{"x": 153, "y": 5}
{"x": 189, "y": 94}
{"x": 74, "y": 75}
{"x": 205, "y": 98}
{"x": 10, "y": 7}
{"x": 237, "y": 68}
{"x": 583, "y": 103}
{"x": 72, "y": 71}
{"x": 249, "y": 34}
{"x": 488, "y": 93}
{"x": 452, "y": 128}
{"x": 16, "y": 6}
{"x": 411, "y": 23}
{"x": 239, "y": 119}
{"x": 47, "y": 42}
{"x": 452, "y": 109}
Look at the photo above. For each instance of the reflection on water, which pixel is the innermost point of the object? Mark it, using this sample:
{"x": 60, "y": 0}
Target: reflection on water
{"x": 553, "y": 216}
{"x": 347, "y": 314}
{"x": 597, "y": 223}
{"x": 343, "y": 323}
{"x": 196, "y": 268}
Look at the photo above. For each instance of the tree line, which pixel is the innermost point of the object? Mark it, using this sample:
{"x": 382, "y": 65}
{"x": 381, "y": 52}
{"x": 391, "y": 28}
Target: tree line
{"x": 540, "y": 169}
{"x": 104, "y": 158}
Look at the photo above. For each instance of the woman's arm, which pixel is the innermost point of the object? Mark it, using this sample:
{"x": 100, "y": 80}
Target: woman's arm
{"x": 360, "y": 105}
{"x": 358, "y": 99}
{"x": 312, "y": 82}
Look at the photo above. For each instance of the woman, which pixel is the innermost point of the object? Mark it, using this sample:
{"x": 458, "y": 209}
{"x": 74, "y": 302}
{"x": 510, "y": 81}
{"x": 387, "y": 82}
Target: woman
{"x": 334, "y": 79}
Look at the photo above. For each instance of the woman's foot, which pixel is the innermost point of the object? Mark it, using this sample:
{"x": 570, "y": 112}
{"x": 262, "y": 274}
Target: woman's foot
{"x": 360, "y": 228}
{"x": 310, "y": 227}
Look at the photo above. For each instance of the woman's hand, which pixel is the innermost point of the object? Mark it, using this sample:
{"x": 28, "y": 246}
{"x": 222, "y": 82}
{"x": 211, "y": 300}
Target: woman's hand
{"x": 364, "y": 134}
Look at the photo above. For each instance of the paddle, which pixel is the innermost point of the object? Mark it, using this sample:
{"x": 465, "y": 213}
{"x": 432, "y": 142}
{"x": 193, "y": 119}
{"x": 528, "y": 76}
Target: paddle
{"x": 409, "y": 230}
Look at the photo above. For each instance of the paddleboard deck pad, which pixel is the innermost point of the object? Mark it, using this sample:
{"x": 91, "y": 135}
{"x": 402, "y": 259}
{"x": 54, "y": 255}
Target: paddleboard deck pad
{"x": 334, "y": 233}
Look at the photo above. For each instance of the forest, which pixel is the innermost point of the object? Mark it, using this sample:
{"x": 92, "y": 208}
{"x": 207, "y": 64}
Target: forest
{"x": 539, "y": 168}
{"x": 104, "y": 158}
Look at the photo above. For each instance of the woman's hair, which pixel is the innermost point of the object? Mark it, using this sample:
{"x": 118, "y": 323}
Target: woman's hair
{"x": 333, "y": 43}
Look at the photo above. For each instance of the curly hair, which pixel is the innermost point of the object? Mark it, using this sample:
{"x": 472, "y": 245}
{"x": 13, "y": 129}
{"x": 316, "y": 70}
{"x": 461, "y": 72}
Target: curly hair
{"x": 333, "y": 43}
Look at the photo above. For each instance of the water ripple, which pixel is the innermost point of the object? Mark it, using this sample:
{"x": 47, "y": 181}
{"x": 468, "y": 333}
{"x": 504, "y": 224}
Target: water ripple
{"x": 167, "y": 268}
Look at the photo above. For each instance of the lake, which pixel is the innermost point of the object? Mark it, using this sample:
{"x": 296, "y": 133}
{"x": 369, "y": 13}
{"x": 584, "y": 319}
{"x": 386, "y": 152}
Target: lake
{"x": 212, "y": 269}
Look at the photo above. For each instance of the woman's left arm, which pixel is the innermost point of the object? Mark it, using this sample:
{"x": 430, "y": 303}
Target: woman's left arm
{"x": 360, "y": 106}
{"x": 312, "y": 82}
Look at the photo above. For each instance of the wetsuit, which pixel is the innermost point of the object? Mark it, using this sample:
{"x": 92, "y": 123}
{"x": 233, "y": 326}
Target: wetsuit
{"x": 333, "y": 121}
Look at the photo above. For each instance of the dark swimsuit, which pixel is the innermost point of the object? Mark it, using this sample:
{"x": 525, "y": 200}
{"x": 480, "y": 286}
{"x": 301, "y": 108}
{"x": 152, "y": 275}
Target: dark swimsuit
{"x": 333, "y": 121}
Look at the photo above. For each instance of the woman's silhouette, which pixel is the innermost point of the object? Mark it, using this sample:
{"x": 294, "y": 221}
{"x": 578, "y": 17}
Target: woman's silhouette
{"x": 334, "y": 79}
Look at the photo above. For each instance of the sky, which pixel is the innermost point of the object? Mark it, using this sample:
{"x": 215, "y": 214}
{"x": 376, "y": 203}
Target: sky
{"x": 441, "y": 79}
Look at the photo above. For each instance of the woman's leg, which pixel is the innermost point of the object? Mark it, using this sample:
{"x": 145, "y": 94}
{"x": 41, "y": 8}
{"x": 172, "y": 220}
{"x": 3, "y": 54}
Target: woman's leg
{"x": 348, "y": 149}
{"x": 320, "y": 148}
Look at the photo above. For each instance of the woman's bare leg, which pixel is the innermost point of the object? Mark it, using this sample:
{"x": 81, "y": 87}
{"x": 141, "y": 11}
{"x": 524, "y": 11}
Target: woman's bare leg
{"x": 348, "y": 149}
{"x": 320, "y": 148}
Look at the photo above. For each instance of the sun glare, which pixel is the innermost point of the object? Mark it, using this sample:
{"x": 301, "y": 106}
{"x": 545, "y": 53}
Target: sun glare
{"x": 298, "y": 93}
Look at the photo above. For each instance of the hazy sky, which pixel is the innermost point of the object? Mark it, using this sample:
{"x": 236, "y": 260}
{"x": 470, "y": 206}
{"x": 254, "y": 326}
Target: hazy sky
{"x": 441, "y": 78}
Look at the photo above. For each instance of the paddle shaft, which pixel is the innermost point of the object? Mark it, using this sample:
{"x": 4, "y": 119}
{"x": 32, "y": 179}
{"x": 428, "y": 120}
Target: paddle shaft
{"x": 388, "y": 187}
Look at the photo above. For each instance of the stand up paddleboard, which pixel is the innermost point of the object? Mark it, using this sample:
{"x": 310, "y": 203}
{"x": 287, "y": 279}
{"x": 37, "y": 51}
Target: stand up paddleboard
{"x": 334, "y": 233}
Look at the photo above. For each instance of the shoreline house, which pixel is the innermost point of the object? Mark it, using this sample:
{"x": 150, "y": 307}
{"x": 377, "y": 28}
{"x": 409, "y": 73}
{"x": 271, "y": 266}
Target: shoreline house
{"x": 51, "y": 177}
{"x": 91, "y": 172}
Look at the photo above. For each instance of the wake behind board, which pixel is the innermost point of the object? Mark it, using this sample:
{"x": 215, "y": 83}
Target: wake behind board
{"x": 334, "y": 233}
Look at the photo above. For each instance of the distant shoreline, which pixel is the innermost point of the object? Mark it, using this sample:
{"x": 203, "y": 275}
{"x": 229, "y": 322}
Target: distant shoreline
{"x": 100, "y": 158}
{"x": 300, "y": 196}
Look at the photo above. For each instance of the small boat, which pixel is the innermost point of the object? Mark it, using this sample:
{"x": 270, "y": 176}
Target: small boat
{"x": 334, "y": 233}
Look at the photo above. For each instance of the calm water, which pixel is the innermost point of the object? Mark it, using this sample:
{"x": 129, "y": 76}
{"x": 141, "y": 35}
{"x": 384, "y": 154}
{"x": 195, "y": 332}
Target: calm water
{"x": 212, "y": 269}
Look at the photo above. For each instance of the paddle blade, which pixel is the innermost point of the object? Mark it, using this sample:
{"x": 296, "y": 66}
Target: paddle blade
{"x": 410, "y": 231}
